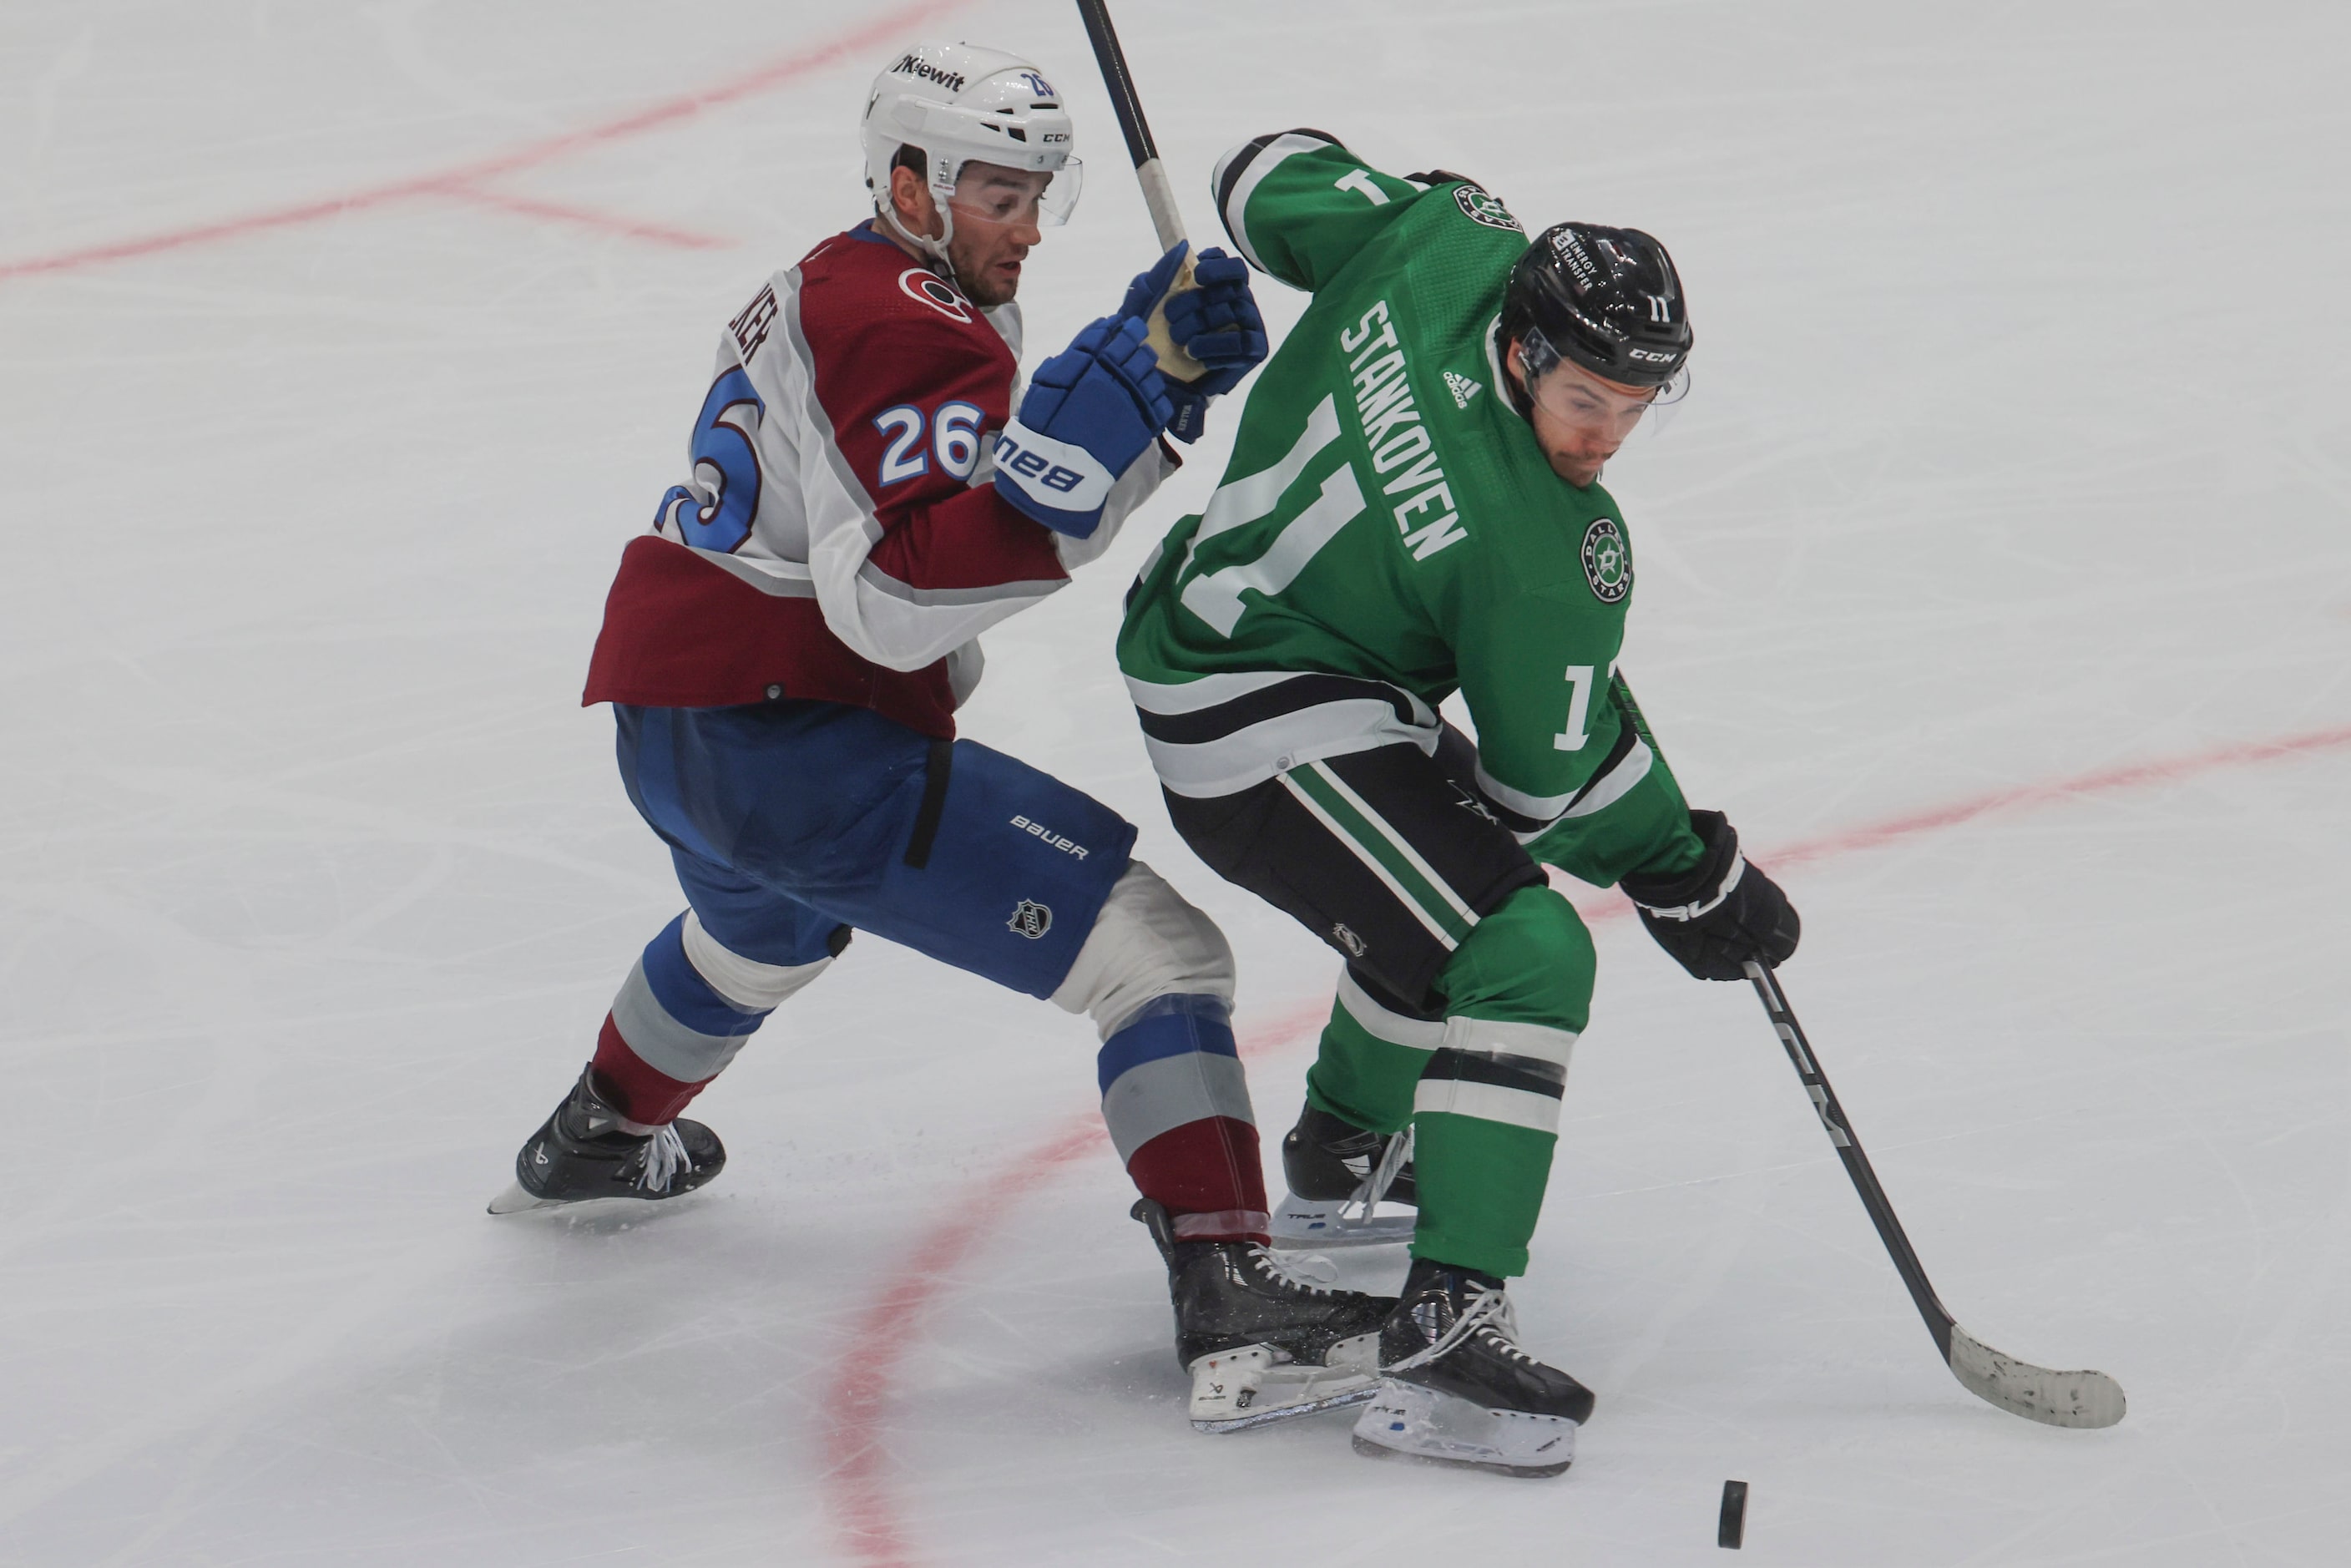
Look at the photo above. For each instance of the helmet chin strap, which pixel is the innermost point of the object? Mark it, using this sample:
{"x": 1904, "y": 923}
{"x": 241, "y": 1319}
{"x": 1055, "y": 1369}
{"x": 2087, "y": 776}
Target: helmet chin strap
{"x": 935, "y": 249}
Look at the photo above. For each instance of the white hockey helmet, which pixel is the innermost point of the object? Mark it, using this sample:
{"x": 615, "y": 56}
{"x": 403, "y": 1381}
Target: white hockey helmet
{"x": 961, "y": 103}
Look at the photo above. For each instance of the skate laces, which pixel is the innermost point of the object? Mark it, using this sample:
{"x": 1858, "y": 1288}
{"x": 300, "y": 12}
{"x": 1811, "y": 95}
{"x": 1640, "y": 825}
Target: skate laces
{"x": 665, "y": 1157}
{"x": 1489, "y": 1310}
{"x": 1365, "y": 1199}
{"x": 1309, "y": 1271}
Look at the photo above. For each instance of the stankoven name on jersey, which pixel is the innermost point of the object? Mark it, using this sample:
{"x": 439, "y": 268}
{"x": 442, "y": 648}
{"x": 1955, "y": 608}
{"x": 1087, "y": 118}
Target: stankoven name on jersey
{"x": 1394, "y": 435}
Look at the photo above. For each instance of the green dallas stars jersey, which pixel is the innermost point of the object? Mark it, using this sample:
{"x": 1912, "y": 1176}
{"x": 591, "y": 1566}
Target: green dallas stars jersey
{"x": 1388, "y": 517}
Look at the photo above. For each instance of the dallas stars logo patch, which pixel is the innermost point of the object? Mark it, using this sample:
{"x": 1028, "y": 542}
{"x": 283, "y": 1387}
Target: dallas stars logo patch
{"x": 1462, "y": 388}
{"x": 1484, "y": 207}
{"x": 1607, "y": 561}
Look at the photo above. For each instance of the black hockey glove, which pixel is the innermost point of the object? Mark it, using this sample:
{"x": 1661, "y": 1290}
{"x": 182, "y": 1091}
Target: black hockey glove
{"x": 1720, "y": 913}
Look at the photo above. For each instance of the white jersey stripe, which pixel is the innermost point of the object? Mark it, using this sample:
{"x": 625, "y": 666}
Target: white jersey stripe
{"x": 1264, "y": 164}
{"x": 1380, "y": 1023}
{"x": 1403, "y": 846}
{"x": 1388, "y": 878}
{"x": 1487, "y": 1102}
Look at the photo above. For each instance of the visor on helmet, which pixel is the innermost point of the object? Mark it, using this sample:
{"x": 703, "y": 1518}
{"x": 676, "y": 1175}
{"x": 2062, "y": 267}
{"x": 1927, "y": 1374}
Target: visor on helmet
{"x": 1569, "y": 392}
{"x": 992, "y": 192}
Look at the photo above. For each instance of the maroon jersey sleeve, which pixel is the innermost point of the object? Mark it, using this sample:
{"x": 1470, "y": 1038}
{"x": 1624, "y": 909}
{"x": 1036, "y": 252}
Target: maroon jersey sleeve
{"x": 899, "y": 385}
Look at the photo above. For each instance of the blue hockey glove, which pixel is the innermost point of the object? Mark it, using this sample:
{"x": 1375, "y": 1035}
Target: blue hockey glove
{"x": 1089, "y": 412}
{"x": 1144, "y": 294}
{"x": 1217, "y": 324}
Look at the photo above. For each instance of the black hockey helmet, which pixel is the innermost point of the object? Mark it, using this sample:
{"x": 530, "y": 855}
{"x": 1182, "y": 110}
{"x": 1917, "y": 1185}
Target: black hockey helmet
{"x": 1607, "y": 299}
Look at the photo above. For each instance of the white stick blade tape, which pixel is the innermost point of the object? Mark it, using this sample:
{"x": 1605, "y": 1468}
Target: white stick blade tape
{"x": 2083, "y": 1399}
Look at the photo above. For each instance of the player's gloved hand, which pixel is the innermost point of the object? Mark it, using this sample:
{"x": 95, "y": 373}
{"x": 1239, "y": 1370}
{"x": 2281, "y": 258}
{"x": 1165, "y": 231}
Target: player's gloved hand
{"x": 1721, "y": 913}
{"x": 1216, "y": 322}
{"x": 1089, "y": 411}
{"x": 1142, "y": 295}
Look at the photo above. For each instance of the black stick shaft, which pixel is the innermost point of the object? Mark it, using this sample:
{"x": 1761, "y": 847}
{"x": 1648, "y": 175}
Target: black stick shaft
{"x": 1848, "y": 1148}
{"x": 1120, "y": 80}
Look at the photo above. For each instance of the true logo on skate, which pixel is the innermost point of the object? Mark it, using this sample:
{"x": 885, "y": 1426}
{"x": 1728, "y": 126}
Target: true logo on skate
{"x": 1067, "y": 846}
{"x": 1030, "y": 919}
{"x": 1607, "y": 561}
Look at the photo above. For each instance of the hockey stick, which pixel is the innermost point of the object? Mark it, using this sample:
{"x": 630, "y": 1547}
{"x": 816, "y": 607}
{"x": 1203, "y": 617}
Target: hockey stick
{"x": 2019, "y": 1387}
{"x": 1149, "y": 172}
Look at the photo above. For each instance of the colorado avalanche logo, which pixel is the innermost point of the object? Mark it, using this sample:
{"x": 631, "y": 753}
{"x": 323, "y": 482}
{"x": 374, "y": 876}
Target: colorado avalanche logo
{"x": 921, "y": 283}
{"x": 1607, "y": 561}
{"x": 1030, "y": 919}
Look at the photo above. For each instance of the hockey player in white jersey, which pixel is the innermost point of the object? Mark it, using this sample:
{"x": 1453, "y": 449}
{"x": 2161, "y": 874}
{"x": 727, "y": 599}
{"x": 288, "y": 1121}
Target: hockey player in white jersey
{"x": 785, "y": 649}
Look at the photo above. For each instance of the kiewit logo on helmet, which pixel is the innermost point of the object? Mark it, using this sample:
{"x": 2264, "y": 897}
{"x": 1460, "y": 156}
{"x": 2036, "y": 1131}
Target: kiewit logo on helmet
{"x": 914, "y": 66}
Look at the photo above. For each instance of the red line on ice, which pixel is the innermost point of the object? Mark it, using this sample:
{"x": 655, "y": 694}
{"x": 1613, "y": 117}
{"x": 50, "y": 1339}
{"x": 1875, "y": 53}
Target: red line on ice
{"x": 586, "y": 217}
{"x": 856, "y": 1408}
{"x": 654, "y": 117}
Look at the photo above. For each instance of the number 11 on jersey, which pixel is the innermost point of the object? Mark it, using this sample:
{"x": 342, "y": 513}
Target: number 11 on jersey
{"x": 1579, "y": 711}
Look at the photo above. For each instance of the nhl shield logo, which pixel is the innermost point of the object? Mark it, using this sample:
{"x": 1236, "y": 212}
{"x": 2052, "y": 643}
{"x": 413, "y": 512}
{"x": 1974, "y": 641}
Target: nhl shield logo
{"x": 1030, "y": 919}
{"x": 1607, "y": 561}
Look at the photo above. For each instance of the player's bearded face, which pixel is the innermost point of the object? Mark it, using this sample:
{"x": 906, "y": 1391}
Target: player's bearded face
{"x": 1580, "y": 419}
{"x": 998, "y": 215}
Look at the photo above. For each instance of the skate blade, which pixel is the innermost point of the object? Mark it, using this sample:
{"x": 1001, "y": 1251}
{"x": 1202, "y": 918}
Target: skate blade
{"x": 1303, "y": 1222}
{"x": 518, "y": 1199}
{"x": 1370, "y": 1449}
{"x": 1255, "y": 1386}
{"x": 1404, "y": 1420}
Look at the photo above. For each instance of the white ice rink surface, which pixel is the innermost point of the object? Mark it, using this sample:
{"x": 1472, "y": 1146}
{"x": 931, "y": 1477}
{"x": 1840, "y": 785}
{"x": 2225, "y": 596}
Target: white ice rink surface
{"x": 2021, "y": 453}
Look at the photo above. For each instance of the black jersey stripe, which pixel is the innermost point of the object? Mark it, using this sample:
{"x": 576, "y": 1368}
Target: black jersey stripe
{"x": 1210, "y": 724}
{"x": 1500, "y": 1067}
{"x": 1240, "y": 164}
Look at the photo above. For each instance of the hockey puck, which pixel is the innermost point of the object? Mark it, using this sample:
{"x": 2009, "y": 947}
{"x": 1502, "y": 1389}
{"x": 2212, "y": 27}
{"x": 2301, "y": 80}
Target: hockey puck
{"x": 1733, "y": 1527}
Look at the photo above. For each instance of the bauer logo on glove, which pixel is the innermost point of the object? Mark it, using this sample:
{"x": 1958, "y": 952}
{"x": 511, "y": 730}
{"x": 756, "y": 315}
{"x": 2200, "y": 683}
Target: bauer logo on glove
{"x": 1091, "y": 411}
{"x": 1069, "y": 472}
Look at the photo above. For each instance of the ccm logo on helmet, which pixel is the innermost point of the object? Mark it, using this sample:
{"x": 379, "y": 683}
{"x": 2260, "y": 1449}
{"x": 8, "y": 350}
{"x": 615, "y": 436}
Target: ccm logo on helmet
{"x": 1654, "y": 357}
{"x": 923, "y": 283}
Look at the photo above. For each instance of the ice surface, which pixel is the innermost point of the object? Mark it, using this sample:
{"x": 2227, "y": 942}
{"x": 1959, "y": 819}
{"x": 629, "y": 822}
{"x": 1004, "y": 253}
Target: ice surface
{"x": 2019, "y": 450}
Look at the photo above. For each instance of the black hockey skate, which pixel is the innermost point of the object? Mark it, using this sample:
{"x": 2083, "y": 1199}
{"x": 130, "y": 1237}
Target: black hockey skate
{"x": 1339, "y": 1176}
{"x": 583, "y": 1151}
{"x": 1456, "y": 1387}
{"x": 1261, "y": 1345}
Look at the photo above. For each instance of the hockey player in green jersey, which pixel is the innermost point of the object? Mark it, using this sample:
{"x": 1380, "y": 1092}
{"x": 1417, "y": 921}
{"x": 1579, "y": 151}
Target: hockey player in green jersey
{"x": 1412, "y": 510}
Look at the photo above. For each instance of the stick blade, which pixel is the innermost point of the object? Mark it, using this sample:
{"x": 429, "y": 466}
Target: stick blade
{"x": 2080, "y": 1399}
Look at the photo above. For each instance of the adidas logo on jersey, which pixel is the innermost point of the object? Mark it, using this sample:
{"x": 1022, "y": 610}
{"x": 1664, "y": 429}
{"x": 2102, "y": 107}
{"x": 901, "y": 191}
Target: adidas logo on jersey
{"x": 1462, "y": 388}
